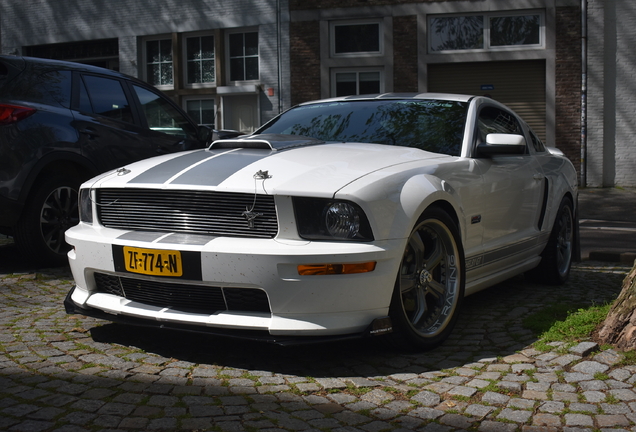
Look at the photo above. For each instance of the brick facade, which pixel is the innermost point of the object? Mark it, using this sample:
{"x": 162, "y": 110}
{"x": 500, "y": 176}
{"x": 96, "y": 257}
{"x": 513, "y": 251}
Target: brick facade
{"x": 405, "y": 54}
{"x": 305, "y": 61}
{"x": 568, "y": 83}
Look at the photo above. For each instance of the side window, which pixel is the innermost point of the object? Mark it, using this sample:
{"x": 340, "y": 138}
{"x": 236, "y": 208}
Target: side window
{"x": 105, "y": 97}
{"x": 537, "y": 143}
{"x": 51, "y": 88}
{"x": 495, "y": 120}
{"x": 162, "y": 116}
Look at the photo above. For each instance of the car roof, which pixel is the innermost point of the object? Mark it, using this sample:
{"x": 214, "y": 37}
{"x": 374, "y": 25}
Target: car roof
{"x": 400, "y": 96}
{"x": 21, "y": 62}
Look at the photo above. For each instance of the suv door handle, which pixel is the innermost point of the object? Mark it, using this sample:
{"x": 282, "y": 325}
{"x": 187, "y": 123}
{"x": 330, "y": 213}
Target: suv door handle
{"x": 90, "y": 132}
{"x": 537, "y": 176}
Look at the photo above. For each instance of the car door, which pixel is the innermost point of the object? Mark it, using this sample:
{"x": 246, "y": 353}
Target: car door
{"x": 166, "y": 126}
{"x": 110, "y": 130}
{"x": 513, "y": 189}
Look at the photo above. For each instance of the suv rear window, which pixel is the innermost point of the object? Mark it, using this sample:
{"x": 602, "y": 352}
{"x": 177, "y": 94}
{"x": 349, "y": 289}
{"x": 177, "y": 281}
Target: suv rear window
{"x": 51, "y": 87}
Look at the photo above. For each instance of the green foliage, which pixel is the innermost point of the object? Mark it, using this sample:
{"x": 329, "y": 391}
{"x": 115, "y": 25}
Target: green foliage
{"x": 565, "y": 323}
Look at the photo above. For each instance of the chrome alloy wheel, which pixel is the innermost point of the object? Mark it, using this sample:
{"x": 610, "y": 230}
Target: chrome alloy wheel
{"x": 59, "y": 212}
{"x": 430, "y": 278}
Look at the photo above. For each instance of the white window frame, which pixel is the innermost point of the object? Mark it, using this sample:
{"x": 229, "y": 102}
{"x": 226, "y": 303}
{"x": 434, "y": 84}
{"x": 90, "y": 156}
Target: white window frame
{"x": 202, "y": 97}
{"x": 487, "y": 16}
{"x": 332, "y": 38}
{"x": 357, "y": 71}
{"x": 144, "y": 53}
{"x": 184, "y": 60}
{"x": 227, "y": 54}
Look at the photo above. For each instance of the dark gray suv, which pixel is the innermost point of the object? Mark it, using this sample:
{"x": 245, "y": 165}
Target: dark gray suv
{"x": 62, "y": 123}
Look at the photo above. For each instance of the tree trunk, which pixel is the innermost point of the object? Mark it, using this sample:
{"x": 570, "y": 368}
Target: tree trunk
{"x": 619, "y": 328}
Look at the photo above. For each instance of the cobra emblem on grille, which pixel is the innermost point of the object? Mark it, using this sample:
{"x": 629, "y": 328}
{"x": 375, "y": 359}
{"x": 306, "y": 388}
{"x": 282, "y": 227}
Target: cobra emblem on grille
{"x": 249, "y": 214}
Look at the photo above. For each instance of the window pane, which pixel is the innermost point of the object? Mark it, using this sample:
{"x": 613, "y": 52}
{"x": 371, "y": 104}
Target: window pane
{"x": 457, "y": 33}
{"x": 207, "y": 112}
{"x": 207, "y": 47}
{"x": 357, "y": 38}
{"x": 193, "y": 108}
{"x": 236, "y": 69}
{"x": 346, "y": 84}
{"x": 208, "y": 71}
{"x": 251, "y": 68}
{"x": 194, "y": 72}
{"x": 251, "y": 44}
{"x": 161, "y": 115}
{"x": 515, "y": 30}
{"x": 108, "y": 98}
{"x": 166, "y": 73}
{"x": 369, "y": 82}
{"x": 152, "y": 52}
{"x": 166, "y": 50}
{"x": 236, "y": 45}
{"x": 494, "y": 120}
{"x": 193, "y": 51}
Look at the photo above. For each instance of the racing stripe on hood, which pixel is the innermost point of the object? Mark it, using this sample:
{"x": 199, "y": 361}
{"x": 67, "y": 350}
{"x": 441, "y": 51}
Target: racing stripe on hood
{"x": 204, "y": 167}
{"x": 214, "y": 171}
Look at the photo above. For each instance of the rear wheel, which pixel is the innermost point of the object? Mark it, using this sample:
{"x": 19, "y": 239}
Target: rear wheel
{"x": 51, "y": 210}
{"x": 556, "y": 258}
{"x": 430, "y": 286}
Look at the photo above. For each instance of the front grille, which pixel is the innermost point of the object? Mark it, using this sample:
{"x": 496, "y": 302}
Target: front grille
{"x": 183, "y": 297}
{"x": 184, "y": 211}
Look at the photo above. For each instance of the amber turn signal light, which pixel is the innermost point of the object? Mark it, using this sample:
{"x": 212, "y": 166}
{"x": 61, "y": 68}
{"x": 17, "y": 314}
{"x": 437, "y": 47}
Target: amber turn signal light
{"x": 332, "y": 269}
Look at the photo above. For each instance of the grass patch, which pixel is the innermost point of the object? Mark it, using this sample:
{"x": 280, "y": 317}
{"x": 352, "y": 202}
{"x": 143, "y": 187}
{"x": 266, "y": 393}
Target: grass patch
{"x": 565, "y": 323}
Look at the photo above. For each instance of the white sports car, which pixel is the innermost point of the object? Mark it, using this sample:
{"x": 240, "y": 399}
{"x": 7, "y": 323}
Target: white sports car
{"x": 354, "y": 216}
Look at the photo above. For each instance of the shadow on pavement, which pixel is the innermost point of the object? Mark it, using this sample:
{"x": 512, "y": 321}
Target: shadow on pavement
{"x": 490, "y": 326}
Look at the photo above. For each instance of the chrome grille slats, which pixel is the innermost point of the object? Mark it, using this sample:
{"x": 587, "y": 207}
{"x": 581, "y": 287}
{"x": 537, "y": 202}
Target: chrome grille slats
{"x": 185, "y": 211}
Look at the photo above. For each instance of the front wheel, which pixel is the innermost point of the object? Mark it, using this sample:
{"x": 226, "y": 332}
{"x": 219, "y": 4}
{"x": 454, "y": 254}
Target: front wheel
{"x": 51, "y": 210}
{"x": 430, "y": 285}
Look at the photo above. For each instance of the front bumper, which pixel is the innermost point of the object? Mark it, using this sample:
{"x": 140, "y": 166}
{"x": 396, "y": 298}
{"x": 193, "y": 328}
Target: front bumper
{"x": 377, "y": 327}
{"x": 332, "y": 306}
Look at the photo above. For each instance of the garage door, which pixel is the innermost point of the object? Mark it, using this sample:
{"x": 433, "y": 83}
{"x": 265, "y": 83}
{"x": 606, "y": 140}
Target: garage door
{"x": 518, "y": 84}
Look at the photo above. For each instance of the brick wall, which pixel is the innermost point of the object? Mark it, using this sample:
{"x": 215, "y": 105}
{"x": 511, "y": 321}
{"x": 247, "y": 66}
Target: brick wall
{"x": 405, "y": 54}
{"x": 304, "y": 43}
{"x": 568, "y": 83}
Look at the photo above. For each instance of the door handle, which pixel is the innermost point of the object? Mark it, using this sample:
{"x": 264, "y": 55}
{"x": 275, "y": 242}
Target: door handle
{"x": 538, "y": 176}
{"x": 90, "y": 132}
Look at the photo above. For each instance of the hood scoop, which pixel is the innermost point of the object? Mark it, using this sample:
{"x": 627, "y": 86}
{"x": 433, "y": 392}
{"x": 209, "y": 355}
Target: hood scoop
{"x": 266, "y": 142}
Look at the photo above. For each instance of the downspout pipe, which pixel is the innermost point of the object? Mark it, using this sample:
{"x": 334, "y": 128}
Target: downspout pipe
{"x": 280, "y": 56}
{"x": 583, "y": 180}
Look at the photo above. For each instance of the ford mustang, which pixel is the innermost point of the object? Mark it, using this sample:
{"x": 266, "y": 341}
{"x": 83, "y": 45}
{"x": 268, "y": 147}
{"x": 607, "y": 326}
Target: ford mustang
{"x": 347, "y": 217}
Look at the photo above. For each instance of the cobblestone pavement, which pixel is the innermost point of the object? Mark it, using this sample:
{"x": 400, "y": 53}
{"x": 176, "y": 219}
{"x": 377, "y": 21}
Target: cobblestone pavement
{"x": 73, "y": 373}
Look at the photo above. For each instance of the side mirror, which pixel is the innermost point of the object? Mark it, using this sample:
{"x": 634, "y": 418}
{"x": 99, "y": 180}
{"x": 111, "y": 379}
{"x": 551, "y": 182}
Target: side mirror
{"x": 204, "y": 134}
{"x": 502, "y": 144}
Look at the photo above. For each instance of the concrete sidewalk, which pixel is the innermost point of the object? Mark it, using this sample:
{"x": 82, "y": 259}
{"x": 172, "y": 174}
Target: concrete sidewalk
{"x": 607, "y": 218}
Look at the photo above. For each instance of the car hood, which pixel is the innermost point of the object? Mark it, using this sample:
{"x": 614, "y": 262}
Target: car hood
{"x": 284, "y": 167}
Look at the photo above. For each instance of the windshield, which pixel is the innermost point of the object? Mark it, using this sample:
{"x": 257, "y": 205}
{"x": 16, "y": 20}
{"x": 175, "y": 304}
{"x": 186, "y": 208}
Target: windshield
{"x": 432, "y": 125}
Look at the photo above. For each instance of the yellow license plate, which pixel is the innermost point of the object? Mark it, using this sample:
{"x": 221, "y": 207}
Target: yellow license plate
{"x": 155, "y": 262}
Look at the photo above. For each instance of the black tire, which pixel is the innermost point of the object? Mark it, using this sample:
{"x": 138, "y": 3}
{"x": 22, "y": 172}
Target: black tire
{"x": 50, "y": 211}
{"x": 430, "y": 285}
{"x": 556, "y": 258}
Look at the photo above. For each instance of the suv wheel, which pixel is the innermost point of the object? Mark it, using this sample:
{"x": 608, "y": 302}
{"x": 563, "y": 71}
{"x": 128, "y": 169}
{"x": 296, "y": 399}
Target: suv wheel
{"x": 51, "y": 210}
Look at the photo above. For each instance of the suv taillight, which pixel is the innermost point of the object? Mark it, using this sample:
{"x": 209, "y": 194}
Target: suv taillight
{"x": 13, "y": 113}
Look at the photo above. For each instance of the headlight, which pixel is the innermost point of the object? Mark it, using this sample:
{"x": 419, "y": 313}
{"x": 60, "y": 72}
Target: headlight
{"x": 85, "y": 206}
{"x": 325, "y": 219}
